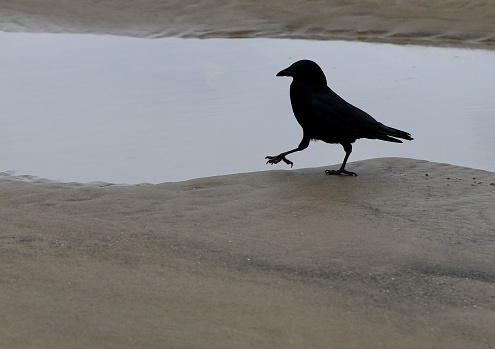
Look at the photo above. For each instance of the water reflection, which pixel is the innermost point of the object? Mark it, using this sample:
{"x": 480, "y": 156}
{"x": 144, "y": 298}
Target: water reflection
{"x": 86, "y": 108}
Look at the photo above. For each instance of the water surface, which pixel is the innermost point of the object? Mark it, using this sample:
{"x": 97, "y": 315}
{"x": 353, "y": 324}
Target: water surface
{"x": 102, "y": 108}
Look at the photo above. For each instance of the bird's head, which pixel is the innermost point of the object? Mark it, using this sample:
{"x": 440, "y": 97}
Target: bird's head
{"x": 305, "y": 70}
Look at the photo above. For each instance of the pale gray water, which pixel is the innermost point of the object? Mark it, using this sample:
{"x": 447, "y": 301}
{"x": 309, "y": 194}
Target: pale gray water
{"x": 102, "y": 108}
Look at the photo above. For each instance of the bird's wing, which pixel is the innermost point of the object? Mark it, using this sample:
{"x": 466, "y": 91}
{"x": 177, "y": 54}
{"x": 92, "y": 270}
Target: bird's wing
{"x": 334, "y": 112}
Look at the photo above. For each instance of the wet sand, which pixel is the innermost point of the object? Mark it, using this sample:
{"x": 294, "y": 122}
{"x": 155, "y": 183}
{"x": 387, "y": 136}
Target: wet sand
{"x": 399, "y": 257}
{"x": 436, "y": 22}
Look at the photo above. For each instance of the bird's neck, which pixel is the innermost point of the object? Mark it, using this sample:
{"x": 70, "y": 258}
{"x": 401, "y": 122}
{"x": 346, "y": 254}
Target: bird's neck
{"x": 298, "y": 86}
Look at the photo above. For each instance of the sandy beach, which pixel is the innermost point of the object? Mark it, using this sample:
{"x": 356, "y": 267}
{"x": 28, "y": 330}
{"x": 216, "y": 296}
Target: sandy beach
{"x": 401, "y": 256}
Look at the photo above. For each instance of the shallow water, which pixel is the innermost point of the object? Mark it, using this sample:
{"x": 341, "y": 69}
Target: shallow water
{"x": 102, "y": 108}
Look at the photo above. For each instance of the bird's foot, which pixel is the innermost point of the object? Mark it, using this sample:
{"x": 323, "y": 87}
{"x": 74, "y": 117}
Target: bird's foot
{"x": 272, "y": 160}
{"x": 340, "y": 171}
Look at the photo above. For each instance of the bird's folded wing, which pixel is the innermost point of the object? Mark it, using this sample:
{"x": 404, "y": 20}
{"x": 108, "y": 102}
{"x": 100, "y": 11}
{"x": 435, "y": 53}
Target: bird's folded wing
{"x": 337, "y": 114}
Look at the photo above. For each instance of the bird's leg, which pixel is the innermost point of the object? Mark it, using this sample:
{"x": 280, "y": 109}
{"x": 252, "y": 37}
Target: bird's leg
{"x": 281, "y": 157}
{"x": 348, "y": 150}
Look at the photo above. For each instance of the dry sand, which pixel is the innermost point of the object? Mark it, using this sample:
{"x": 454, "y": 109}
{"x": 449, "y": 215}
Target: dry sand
{"x": 434, "y": 22}
{"x": 398, "y": 257}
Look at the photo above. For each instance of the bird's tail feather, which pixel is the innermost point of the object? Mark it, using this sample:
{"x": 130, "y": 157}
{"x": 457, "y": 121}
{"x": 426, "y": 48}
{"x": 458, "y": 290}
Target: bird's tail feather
{"x": 388, "y": 139}
{"x": 400, "y": 134}
{"x": 390, "y": 134}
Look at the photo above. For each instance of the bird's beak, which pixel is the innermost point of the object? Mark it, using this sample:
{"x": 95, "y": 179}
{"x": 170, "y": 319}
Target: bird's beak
{"x": 285, "y": 72}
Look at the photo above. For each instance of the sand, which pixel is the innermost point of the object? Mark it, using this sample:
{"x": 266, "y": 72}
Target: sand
{"x": 401, "y": 256}
{"x": 432, "y": 22}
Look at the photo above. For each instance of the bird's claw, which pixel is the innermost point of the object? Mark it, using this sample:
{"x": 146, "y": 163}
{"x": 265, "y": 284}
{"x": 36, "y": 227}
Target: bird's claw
{"x": 340, "y": 171}
{"x": 272, "y": 160}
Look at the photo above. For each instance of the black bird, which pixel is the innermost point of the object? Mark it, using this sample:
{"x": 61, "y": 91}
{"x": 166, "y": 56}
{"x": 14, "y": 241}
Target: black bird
{"x": 325, "y": 116}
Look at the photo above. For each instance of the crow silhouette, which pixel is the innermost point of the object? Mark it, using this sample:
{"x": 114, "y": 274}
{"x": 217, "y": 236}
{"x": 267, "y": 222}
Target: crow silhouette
{"x": 325, "y": 116}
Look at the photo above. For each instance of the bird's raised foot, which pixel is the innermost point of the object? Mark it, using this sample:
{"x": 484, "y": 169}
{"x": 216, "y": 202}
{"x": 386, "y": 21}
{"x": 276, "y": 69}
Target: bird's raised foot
{"x": 272, "y": 160}
{"x": 340, "y": 171}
